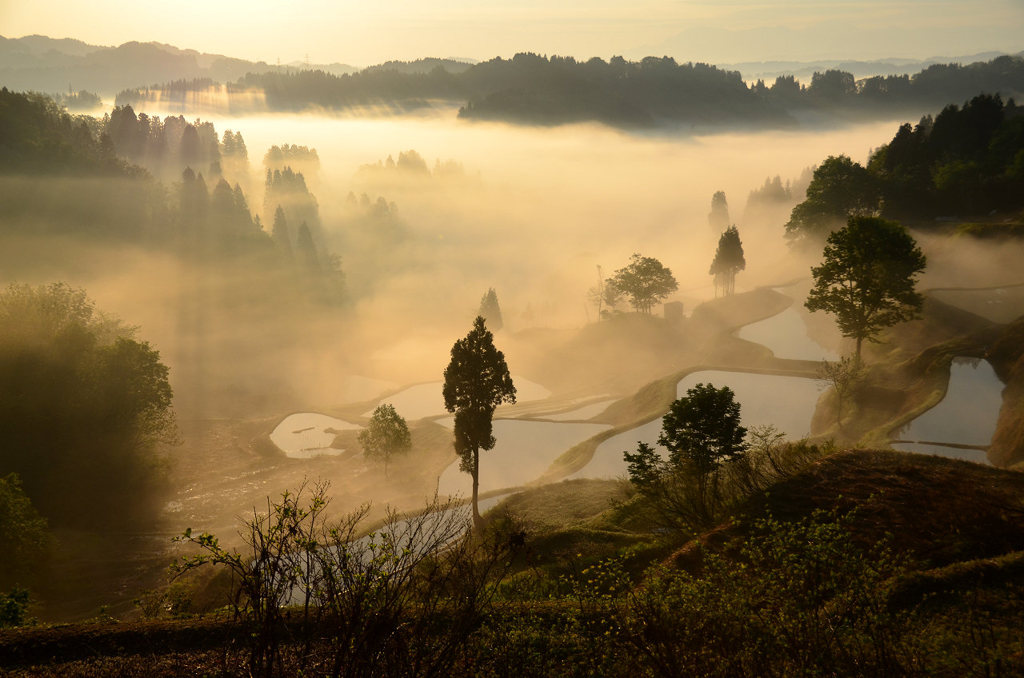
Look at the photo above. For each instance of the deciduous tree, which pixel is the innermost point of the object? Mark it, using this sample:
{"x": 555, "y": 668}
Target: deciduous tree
{"x": 867, "y": 278}
{"x": 701, "y": 431}
{"x": 645, "y": 281}
{"x": 386, "y": 435}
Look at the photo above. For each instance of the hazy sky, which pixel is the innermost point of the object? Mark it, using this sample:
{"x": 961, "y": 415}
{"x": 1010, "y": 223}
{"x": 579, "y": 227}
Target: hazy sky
{"x": 369, "y": 31}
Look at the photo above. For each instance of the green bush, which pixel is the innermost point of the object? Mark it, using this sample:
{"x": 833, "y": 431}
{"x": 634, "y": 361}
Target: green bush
{"x": 13, "y": 607}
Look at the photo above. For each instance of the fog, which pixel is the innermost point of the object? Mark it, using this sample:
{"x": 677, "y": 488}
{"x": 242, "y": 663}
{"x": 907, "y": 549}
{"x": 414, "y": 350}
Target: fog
{"x": 531, "y": 212}
{"x": 276, "y": 367}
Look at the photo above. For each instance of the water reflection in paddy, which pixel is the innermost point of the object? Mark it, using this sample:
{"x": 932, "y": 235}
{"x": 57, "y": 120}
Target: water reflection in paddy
{"x": 524, "y": 451}
{"x": 786, "y": 402}
{"x": 785, "y": 334}
{"x": 308, "y": 434}
{"x": 966, "y": 415}
{"x": 426, "y": 400}
{"x": 1001, "y": 305}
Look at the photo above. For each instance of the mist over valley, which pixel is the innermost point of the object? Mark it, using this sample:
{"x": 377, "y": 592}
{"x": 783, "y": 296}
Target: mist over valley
{"x": 551, "y": 351}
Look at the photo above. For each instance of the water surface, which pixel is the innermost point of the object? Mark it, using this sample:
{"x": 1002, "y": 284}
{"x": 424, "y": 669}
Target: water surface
{"x": 785, "y": 334}
{"x": 785, "y": 402}
{"x": 309, "y": 434}
{"x": 524, "y": 451}
{"x": 967, "y": 415}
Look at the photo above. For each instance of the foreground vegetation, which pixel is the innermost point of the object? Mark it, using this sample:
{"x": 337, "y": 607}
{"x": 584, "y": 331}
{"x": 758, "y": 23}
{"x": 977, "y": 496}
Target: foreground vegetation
{"x": 860, "y": 563}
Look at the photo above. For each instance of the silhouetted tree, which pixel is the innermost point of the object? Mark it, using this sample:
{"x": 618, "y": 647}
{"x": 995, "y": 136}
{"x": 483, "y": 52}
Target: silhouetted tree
{"x": 385, "y": 435}
{"x": 718, "y": 217}
{"x": 701, "y": 431}
{"x": 281, "y": 234}
{"x": 728, "y": 261}
{"x": 645, "y": 281}
{"x": 476, "y": 381}
{"x": 867, "y": 278}
{"x": 490, "y": 311}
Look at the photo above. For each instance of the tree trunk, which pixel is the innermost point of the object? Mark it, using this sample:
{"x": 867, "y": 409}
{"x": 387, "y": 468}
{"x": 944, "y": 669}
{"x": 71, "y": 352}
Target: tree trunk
{"x": 478, "y": 522}
{"x": 859, "y": 340}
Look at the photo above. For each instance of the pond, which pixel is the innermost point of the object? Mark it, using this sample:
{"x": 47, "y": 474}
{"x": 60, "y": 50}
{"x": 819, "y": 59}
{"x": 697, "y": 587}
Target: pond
{"x": 524, "y": 451}
{"x": 785, "y": 335}
{"x": 308, "y": 434}
{"x": 426, "y": 400}
{"x": 966, "y": 415}
{"x": 785, "y": 402}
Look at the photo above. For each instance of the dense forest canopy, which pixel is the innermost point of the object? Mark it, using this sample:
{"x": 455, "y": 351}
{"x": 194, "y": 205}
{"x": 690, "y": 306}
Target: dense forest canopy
{"x": 968, "y": 161}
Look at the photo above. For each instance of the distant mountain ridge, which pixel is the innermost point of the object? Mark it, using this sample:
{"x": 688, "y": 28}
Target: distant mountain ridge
{"x": 803, "y": 70}
{"x": 37, "y": 62}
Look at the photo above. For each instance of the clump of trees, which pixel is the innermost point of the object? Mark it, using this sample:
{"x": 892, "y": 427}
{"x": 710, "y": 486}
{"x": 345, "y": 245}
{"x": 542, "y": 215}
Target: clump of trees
{"x": 297, "y": 233}
{"x": 718, "y": 217}
{"x": 83, "y": 406}
{"x": 82, "y": 100}
{"x": 867, "y": 278}
{"x": 166, "y": 147}
{"x": 645, "y": 281}
{"x": 304, "y": 158}
{"x": 728, "y": 261}
{"x": 712, "y": 461}
{"x": 386, "y": 435}
{"x": 968, "y": 160}
{"x": 840, "y": 188}
{"x": 701, "y": 432}
{"x": 38, "y": 136}
{"x": 490, "y": 310}
{"x": 476, "y": 381}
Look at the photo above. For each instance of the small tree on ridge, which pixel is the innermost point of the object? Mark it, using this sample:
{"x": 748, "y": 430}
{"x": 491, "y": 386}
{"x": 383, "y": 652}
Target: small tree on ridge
{"x": 645, "y": 281}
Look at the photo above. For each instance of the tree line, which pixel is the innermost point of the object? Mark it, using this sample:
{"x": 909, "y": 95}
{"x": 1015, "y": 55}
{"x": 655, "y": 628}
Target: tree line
{"x": 536, "y": 89}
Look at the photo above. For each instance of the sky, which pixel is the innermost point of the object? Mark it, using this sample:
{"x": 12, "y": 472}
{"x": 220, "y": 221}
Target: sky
{"x": 365, "y": 32}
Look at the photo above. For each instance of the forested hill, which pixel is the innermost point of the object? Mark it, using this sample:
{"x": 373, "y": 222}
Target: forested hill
{"x": 553, "y": 90}
{"x": 965, "y": 164}
{"x": 38, "y": 136}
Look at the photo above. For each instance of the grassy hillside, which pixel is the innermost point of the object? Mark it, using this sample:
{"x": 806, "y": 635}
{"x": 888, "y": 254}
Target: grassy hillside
{"x": 934, "y": 546}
